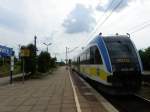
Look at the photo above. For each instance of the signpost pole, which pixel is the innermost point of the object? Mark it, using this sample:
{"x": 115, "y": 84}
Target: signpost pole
{"x": 23, "y": 71}
{"x": 11, "y": 80}
{"x": 25, "y": 52}
{"x": 11, "y": 69}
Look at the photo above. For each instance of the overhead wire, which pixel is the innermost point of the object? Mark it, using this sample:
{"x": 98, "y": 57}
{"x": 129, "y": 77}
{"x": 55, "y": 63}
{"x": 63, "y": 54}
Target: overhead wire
{"x": 136, "y": 28}
{"x": 103, "y": 22}
{"x": 92, "y": 33}
{"x": 139, "y": 25}
{"x": 106, "y": 18}
{"x": 97, "y": 26}
{"x": 141, "y": 28}
{"x": 72, "y": 50}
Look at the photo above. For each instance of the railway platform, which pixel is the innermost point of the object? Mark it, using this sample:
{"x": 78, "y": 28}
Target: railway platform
{"x": 61, "y": 91}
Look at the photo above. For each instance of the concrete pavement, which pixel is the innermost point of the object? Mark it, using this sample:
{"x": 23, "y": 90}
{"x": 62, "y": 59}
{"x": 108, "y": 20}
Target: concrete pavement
{"x": 50, "y": 94}
{"x": 53, "y": 93}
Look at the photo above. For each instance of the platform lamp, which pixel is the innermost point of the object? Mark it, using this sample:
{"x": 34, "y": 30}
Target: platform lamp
{"x": 47, "y": 45}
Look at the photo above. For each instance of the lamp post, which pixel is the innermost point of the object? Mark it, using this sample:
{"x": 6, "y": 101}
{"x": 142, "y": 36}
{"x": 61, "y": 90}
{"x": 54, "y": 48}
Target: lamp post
{"x": 47, "y": 45}
{"x": 56, "y": 54}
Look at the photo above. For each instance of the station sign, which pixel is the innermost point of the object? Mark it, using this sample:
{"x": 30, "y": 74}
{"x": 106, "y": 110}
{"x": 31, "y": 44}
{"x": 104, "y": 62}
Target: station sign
{"x": 5, "y": 51}
{"x": 25, "y": 52}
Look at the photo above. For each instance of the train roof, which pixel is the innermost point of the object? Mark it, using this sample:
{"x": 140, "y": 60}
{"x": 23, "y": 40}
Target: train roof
{"x": 106, "y": 38}
{"x": 110, "y": 38}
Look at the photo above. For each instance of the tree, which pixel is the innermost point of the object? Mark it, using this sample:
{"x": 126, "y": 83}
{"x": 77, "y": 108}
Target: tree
{"x": 145, "y": 57}
{"x": 53, "y": 62}
{"x": 44, "y": 60}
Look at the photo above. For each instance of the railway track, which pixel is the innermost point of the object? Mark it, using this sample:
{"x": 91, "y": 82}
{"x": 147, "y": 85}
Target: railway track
{"x": 128, "y": 103}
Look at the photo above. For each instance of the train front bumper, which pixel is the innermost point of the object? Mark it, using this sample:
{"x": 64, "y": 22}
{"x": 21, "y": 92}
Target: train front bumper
{"x": 128, "y": 80}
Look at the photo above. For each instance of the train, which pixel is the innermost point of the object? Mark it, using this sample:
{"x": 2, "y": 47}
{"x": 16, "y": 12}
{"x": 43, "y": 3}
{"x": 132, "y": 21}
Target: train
{"x": 112, "y": 62}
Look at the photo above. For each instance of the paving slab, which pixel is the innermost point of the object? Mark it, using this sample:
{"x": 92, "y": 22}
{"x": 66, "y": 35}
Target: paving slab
{"x": 53, "y": 93}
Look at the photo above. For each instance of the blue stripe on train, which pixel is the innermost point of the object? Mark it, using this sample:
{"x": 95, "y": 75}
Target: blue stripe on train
{"x": 104, "y": 52}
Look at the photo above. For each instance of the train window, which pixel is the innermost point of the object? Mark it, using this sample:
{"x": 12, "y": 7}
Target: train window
{"x": 84, "y": 58}
{"x": 78, "y": 60}
{"x": 98, "y": 59}
{"x": 119, "y": 49}
{"x": 88, "y": 56}
{"x": 92, "y": 50}
{"x": 95, "y": 57}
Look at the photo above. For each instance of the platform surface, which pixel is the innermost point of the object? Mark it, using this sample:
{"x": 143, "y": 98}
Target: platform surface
{"x": 53, "y": 93}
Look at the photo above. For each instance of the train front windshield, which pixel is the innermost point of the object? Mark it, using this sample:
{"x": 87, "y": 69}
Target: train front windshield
{"x": 118, "y": 50}
{"x": 122, "y": 53}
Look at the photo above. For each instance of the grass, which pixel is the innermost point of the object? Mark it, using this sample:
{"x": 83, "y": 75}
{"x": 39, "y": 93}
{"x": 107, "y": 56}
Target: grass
{"x": 5, "y": 70}
{"x": 37, "y": 75}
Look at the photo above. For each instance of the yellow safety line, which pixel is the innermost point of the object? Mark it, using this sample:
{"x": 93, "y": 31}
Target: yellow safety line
{"x": 75, "y": 95}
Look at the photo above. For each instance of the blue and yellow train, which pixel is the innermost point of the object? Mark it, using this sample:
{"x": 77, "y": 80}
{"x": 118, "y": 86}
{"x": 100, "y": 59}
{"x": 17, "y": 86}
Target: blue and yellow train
{"x": 112, "y": 62}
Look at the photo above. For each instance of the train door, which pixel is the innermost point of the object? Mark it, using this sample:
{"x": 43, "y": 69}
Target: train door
{"x": 98, "y": 61}
{"x": 95, "y": 60}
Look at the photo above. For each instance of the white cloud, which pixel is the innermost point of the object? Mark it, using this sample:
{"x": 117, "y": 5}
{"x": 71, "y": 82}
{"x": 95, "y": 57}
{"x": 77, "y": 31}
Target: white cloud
{"x": 79, "y": 20}
{"x": 109, "y": 5}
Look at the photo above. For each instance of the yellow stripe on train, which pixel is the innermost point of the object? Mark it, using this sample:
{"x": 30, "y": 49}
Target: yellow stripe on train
{"x": 103, "y": 75}
{"x": 92, "y": 71}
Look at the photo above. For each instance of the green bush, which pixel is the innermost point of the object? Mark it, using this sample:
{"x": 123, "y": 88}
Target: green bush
{"x": 44, "y": 60}
{"x": 1, "y": 61}
{"x": 53, "y": 62}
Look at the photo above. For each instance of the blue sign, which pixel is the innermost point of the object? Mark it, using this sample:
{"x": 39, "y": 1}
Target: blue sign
{"x": 5, "y": 51}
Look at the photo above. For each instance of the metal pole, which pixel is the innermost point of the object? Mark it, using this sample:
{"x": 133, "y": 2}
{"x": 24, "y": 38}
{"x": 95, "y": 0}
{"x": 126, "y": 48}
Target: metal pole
{"x": 56, "y": 55}
{"x": 35, "y": 37}
{"x": 66, "y": 57}
{"x": 11, "y": 79}
{"x": 47, "y": 48}
{"x": 23, "y": 71}
{"x": 11, "y": 68}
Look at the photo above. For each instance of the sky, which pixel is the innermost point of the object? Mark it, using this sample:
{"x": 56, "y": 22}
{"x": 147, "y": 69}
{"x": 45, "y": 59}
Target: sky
{"x": 71, "y": 23}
